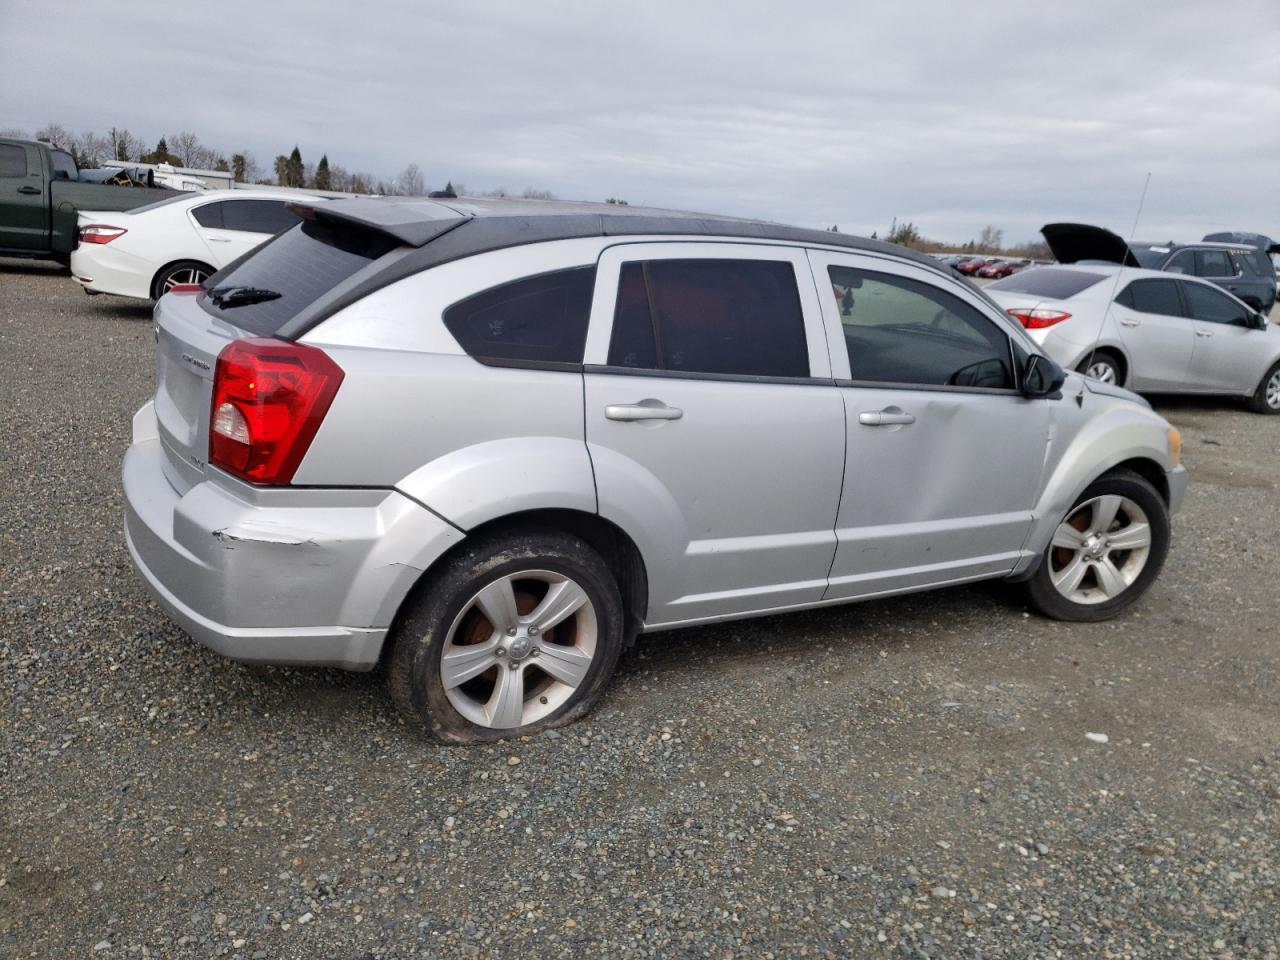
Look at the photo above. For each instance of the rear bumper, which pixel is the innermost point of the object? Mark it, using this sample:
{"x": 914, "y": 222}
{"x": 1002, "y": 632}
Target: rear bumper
{"x": 282, "y": 576}
{"x": 99, "y": 268}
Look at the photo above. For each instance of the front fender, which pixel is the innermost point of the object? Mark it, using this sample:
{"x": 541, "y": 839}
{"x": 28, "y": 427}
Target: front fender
{"x": 483, "y": 482}
{"x": 1105, "y": 434}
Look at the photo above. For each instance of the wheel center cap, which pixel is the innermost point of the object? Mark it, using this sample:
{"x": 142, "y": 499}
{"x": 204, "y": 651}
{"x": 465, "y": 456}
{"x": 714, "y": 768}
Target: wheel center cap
{"x": 1095, "y": 547}
{"x": 519, "y": 648}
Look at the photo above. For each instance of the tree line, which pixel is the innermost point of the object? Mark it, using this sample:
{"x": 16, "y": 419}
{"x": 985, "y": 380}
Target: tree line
{"x": 185, "y": 149}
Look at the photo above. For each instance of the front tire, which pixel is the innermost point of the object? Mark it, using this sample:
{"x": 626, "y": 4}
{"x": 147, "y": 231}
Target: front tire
{"x": 1266, "y": 399}
{"x": 1105, "y": 552}
{"x": 513, "y": 635}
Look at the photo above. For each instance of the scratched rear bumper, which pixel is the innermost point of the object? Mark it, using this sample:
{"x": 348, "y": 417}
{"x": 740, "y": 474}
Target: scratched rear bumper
{"x": 277, "y": 576}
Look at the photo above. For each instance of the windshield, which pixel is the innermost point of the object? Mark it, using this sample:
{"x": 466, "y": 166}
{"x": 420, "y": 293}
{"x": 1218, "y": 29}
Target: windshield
{"x": 288, "y": 274}
{"x": 1051, "y": 283}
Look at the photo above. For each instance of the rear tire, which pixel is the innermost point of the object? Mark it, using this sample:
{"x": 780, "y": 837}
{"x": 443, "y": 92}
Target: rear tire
{"x": 1104, "y": 366}
{"x": 184, "y": 271}
{"x": 484, "y": 650}
{"x": 1266, "y": 399}
{"x": 1105, "y": 552}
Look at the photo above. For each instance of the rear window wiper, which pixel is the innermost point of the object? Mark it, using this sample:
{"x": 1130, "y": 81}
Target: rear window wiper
{"x": 232, "y": 296}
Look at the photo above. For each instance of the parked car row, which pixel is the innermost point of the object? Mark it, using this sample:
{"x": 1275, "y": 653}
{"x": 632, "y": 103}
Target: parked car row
{"x": 490, "y": 442}
{"x": 988, "y": 267}
{"x": 1158, "y": 330}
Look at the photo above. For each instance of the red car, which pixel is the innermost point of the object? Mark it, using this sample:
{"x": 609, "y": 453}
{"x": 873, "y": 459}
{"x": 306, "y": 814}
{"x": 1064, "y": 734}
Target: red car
{"x": 1000, "y": 268}
{"x": 970, "y": 267}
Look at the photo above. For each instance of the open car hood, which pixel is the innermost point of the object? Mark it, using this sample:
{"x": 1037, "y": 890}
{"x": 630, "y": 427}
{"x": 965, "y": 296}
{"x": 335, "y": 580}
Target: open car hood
{"x": 1251, "y": 239}
{"x": 1073, "y": 242}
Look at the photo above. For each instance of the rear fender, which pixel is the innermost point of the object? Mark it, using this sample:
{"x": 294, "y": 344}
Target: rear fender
{"x": 473, "y": 485}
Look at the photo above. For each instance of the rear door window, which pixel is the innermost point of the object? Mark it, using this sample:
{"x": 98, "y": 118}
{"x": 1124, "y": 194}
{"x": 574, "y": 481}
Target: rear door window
{"x": 534, "y": 320}
{"x": 257, "y": 216}
{"x": 1214, "y": 263}
{"x": 732, "y": 317}
{"x": 1184, "y": 261}
{"x": 13, "y": 161}
{"x": 1152, "y": 296}
{"x": 904, "y": 331}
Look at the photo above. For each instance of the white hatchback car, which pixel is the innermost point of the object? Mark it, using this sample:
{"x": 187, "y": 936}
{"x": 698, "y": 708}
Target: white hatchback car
{"x": 146, "y": 251}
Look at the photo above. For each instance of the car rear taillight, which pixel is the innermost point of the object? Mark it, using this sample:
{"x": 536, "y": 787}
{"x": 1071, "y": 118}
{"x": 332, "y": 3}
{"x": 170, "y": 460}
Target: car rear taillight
{"x": 185, "y": 289}
{"x": 269, "y": 397}
{"x": 100, "y": 233}
{"x": 1038, "y": 318}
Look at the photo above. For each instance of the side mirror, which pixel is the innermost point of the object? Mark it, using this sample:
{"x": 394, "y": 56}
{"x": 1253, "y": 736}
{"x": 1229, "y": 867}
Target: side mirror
{"x": 1041, "y": 377}
{"x": 1258, "y": 320}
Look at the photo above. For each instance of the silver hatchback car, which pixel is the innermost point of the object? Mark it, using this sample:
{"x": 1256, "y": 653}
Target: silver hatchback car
{"x": 489, "y": 443}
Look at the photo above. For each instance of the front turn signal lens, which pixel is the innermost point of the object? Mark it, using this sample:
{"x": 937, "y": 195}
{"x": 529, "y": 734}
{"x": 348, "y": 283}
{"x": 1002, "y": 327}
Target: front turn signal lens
{"x": 1175, "y": 445}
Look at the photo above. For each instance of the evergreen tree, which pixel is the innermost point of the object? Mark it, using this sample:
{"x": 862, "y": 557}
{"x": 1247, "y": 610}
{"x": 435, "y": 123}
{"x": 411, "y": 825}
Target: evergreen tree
{"x": 322, "y": 180}
{"x": 295, "y": 176}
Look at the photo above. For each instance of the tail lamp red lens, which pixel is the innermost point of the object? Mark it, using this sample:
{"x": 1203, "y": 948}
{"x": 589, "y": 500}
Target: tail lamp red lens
{"x": 1038, "y": 318}
{"x": 100, "y": 233}
{"x": 269, "y": 398}
{"x": 185, "y": 289}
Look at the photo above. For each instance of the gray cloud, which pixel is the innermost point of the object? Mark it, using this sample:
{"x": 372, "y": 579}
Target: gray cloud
{"x": 813, "y": 113}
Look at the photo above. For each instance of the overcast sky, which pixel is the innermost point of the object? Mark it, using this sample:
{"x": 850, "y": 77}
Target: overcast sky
{"x": 951, "y": 115}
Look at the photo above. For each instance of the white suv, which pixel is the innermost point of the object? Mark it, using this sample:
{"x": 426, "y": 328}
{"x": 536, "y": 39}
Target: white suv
{"x": 493, "y": 441}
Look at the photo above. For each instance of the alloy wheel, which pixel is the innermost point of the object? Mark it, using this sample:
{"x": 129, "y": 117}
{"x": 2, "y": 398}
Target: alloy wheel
{"x": 1100, "y": 549}
{"x": 1101, "y": 370}
{"x": 1272, "y": 393}
{"x": 519, "y": 649}
{"x": 185, "y": 275}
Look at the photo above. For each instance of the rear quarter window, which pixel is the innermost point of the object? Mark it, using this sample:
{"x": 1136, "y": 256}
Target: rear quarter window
{"x": 1049, "y": 283}
{"x": 540, "y": 319}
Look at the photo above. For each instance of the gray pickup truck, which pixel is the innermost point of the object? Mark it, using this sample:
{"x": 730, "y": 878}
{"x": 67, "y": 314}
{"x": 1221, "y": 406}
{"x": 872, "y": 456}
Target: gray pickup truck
{"x": 41, "y": 189}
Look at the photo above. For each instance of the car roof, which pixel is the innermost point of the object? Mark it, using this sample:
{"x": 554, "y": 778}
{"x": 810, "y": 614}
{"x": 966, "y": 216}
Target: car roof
{"x": 438, "y": 231}
{"x": 496, "y": 223}
{"x": 1172, "y": 245}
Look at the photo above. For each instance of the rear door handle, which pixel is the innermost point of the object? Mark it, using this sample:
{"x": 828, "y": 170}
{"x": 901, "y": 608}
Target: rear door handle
{"x": 33, "y": 191}
{"x": 218, "y": 239}
{"x": 644, "y": 410}
{"x": 1204, "y": 333}
{"x": 1130, "y": 323}
{"x": 884, "y": 418}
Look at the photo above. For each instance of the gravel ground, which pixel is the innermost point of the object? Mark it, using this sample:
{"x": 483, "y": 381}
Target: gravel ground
{"x": 905, "y": 778}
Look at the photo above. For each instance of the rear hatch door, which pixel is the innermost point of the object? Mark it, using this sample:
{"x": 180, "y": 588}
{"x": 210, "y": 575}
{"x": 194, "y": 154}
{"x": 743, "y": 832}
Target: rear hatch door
{"x": 1074, "y": 242}
{"x": 258, "y": 295}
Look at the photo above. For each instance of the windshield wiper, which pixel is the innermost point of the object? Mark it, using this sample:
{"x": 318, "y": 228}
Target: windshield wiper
{"x": 227, "y": 297}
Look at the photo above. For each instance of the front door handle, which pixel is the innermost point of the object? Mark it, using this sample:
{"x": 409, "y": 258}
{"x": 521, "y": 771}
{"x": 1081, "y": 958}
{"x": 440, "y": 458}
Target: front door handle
{"x": 218, "y": 239}
{"x": 644, "y": 410}
{"x": 884, "y": 418}
{"x": 33, "y": 191}
{"x": 1130, "y": 323}
{"x": 1204, "y": 333}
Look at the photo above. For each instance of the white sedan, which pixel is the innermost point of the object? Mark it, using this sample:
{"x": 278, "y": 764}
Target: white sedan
{"x": 1147, "y": 330}
{"x": 145, "y": 251}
